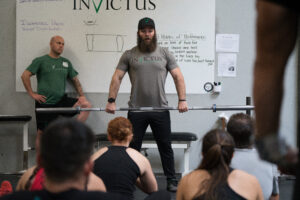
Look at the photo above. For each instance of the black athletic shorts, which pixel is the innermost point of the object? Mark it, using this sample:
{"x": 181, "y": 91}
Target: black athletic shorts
{"x": 42, "y": 120}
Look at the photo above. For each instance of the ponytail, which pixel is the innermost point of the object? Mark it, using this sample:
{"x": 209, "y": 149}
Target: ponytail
{"x": 217, "y": 149}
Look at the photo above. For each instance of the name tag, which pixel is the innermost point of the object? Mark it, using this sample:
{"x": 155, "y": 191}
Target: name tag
{"x": 65, "y": 64}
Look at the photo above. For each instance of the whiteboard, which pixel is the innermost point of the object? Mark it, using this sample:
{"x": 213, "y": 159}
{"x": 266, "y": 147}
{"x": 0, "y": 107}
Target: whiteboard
{"x": 97, "y": 32}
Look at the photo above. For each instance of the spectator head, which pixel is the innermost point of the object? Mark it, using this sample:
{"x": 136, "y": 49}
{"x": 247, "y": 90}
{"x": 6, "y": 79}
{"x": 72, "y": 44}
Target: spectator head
{"x": 65, "y": 150}
{"x": 240, "y": 126}
{"x": 119, "y": 129}
{"x": 217, "y": 151}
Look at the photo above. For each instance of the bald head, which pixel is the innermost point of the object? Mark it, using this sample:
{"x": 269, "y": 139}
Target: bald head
{"x": 56, "y": 46}
{"x": 56, "y": 37}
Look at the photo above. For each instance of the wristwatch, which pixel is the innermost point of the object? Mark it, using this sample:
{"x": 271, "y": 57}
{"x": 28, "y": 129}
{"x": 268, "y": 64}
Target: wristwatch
{"x": 111, "y": 100}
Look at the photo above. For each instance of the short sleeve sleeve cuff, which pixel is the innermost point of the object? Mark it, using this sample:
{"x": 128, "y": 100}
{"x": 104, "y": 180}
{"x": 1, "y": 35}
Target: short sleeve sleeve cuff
{"x": 172, "y": 64}
{"x": 124, "y": 62}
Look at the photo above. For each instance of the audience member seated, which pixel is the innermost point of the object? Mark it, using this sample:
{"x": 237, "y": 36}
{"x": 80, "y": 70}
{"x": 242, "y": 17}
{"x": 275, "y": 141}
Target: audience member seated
{"x": 121, "y": 167}
{"x": 33, "y": 179}
{"x": 65, "y": 154}
{"x": 241, "y": 127}
{"x": 214, "y": 179}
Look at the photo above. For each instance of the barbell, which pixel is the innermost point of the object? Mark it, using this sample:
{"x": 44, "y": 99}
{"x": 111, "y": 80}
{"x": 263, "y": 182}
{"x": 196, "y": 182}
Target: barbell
{"x": 76, "y": 110}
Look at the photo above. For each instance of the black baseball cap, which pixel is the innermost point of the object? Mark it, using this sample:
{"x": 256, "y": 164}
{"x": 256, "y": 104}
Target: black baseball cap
{"x": 146, "y": 22}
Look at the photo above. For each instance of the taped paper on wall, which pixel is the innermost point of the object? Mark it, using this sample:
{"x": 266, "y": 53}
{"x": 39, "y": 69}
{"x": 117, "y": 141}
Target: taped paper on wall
{"x": 227, "y": 43}
{"x": 227, "y": 64}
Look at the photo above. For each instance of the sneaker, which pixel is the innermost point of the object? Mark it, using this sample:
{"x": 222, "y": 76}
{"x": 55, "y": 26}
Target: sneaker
{"x": 6, "y": 188}
{"x": 172, "y": 185}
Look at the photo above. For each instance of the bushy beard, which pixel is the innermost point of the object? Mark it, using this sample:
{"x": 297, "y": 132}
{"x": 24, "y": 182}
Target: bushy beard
{"x": 144, "y": 47}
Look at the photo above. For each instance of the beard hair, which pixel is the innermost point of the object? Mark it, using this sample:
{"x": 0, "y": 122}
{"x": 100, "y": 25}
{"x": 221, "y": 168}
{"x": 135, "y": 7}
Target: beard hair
{"x": 57, "y": 53}
{"x": 144, "y": 47}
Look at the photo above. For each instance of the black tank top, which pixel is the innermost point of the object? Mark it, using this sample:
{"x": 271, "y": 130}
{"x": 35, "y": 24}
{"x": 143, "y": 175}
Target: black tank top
{"x": 117, "y": 170}
{"x": 225, "y": 193}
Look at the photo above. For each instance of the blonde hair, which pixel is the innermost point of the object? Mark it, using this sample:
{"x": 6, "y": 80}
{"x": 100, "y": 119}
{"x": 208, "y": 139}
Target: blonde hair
{"x": 119, "y": 129}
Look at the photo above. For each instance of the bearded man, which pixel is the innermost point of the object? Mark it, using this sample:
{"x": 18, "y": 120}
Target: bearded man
{"x": 148, "y": 65}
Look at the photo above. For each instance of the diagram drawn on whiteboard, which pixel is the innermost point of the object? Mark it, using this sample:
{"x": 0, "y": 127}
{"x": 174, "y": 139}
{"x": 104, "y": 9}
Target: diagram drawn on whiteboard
{"x": 89, "y": 22}
{"x": 105, "y": 42}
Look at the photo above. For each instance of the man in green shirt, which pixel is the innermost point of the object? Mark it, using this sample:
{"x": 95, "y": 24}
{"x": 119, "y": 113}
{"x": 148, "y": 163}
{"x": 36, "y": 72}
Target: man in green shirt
{"x": 52, "y": 71}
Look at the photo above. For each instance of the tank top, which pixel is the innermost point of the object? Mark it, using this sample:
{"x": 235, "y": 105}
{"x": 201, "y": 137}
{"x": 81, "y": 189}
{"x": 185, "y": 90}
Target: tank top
{"x": 225, "y": 192}
{"x": 38, "y": 180}
{"x": 117, "y": 170}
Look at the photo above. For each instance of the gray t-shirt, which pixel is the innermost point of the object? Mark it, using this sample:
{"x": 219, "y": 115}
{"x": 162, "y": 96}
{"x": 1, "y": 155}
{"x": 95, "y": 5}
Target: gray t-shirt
{"x": 147, "y": 73}
{"x": 248, "y": 160}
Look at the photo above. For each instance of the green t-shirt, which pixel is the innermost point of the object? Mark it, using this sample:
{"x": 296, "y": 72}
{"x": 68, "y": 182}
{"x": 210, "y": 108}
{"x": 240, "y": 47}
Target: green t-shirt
{"x": 52, "y": 74}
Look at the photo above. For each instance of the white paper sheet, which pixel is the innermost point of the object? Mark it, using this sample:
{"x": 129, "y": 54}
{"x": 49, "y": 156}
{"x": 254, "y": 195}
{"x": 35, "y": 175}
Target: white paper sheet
{"x": 227, "y": 42}
{"x": 227, "y": 64}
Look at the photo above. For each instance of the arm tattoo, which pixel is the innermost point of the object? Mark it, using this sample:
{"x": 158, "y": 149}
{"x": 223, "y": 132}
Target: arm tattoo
{"x": 77, "y": 86}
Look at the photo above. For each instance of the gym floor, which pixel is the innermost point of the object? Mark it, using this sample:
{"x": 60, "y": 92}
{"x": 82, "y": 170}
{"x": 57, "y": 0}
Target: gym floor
{"x": 286, "y": 184}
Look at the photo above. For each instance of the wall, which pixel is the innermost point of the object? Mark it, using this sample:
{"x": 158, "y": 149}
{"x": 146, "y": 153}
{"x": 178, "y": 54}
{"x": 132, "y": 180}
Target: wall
{"x": 232, "y": 16}
{"x": 95, "y": 50}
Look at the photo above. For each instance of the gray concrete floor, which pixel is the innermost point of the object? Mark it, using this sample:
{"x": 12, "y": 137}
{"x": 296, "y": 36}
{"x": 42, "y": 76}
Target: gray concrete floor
{"x": 162, "y": 185}
{"x": 286, "y": 187}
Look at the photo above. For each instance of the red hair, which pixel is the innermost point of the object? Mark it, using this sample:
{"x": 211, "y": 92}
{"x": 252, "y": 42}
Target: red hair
{"x": 119, "y": 129}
